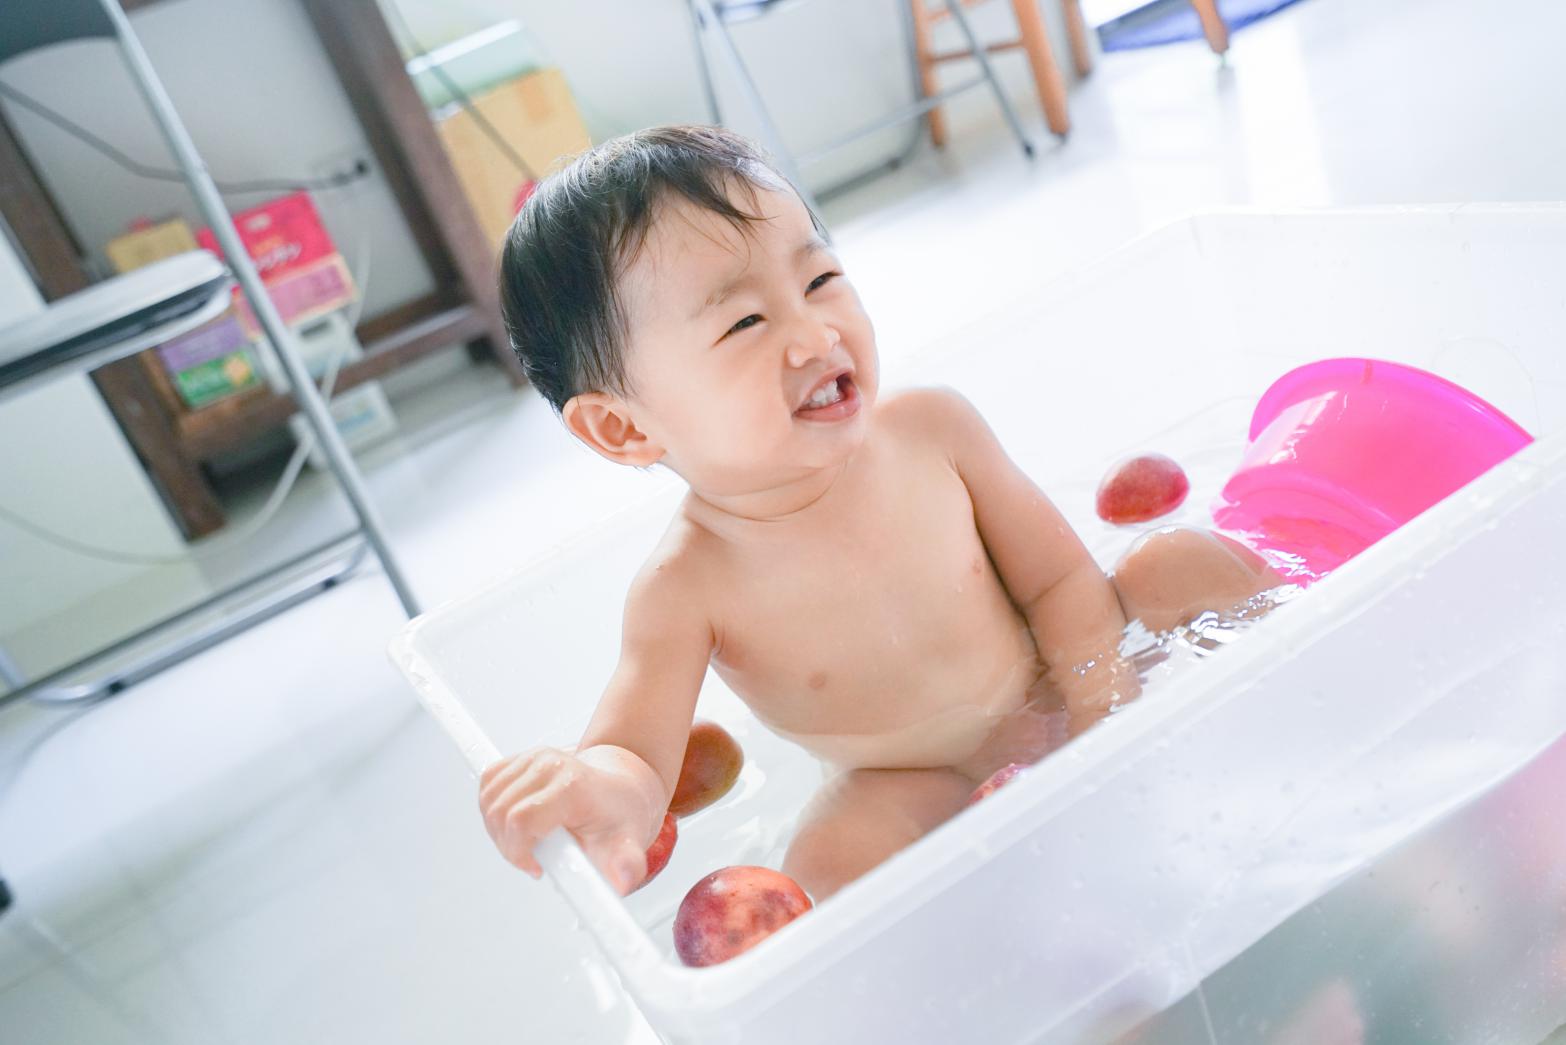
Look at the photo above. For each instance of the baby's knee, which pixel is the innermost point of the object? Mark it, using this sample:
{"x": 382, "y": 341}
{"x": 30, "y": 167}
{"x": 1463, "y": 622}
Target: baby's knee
{"x": 1177, "y": 552}
{"x": 1171, "y": 575}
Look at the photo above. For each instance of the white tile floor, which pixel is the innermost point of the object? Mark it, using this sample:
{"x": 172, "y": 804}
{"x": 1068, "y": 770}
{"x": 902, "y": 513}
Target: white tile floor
{"x": 271, "y": 844}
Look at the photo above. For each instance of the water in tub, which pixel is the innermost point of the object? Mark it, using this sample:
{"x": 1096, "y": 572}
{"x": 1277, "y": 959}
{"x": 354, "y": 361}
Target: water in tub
{"x": 757, "y": 822}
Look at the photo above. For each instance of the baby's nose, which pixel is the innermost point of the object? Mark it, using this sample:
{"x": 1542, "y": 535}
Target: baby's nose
{"x": 810, "y": 345}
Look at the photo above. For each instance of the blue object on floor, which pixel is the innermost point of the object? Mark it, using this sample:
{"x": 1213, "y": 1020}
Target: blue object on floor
{"x": 1178, "y": 22}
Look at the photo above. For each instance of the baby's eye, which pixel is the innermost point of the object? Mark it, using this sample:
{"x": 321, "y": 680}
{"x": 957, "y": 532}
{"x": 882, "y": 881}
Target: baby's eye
{"x": 748, "y": 321}
{"x": 822, "y": 280}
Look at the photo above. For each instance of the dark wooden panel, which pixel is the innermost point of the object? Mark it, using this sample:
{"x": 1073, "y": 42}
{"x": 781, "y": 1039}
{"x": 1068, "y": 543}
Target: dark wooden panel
{"x": 36, "y": 222}
{"x": 150, "y": 428}
{"x": 394, "y": 319}
{"x": 411, "y": 156}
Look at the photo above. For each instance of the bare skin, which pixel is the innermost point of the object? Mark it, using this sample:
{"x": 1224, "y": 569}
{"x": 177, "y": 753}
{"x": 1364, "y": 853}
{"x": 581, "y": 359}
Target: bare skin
{"x": 875, "y": 578}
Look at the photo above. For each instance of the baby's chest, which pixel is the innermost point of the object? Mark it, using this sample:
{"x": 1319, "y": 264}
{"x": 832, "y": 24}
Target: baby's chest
{"x": 863, "y": 604}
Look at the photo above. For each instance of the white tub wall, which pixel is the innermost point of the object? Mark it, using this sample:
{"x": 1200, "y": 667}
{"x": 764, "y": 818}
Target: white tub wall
{"x": 1470, "y": 292}
{"x": 1460, "y": 923}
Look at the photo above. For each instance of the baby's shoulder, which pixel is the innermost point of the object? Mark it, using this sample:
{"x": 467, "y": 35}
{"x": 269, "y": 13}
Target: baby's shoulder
{"x": 674, "y": 574}
{"x": 935, "y": 415}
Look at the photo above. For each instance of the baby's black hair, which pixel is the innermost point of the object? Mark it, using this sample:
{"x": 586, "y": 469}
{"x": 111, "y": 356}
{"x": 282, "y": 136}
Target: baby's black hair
{"x": 582, "y": 226}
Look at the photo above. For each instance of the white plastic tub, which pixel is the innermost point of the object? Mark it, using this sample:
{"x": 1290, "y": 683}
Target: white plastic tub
{"x": 1353, "y": 734}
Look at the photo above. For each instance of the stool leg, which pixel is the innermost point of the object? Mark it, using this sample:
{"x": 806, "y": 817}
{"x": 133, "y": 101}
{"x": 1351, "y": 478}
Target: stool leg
{"x": 1077, "y": 30}
{"x": 1046, "y": 74}
{"x": 983, "y": 57}
{"x": 1213, "y": 26}
{"x": 928, "y": 84}
{"x": 698, "y": 38}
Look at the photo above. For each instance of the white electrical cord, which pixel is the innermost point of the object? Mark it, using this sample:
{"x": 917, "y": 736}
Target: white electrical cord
{"x": 286, "y": 481}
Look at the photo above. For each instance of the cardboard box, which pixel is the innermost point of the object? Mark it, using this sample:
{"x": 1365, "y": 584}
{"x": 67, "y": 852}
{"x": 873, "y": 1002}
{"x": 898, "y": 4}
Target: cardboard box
{"x": 207, "y": 364}
{"x": 212, "y": 362}
{"x": 304, "y": 274}
{"x": 537, "y": 117}
{"x": 147, "y": 243}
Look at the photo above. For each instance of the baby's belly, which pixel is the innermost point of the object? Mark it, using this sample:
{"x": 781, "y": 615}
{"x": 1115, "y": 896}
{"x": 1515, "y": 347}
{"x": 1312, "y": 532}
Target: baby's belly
{"x": 954, "y": 733}
{"x": 944, "y": 739}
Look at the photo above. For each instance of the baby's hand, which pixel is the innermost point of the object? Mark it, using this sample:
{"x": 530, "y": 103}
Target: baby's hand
{"x": 525, "y": 797}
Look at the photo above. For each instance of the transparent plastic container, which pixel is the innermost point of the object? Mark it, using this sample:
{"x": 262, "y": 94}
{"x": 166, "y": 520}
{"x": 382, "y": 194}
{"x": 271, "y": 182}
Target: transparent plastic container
{"x": 1370, "y": 771}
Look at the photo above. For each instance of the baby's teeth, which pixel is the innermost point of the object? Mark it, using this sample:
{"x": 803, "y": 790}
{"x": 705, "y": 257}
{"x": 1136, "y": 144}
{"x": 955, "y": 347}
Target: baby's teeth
{"x": 826, "y": 395}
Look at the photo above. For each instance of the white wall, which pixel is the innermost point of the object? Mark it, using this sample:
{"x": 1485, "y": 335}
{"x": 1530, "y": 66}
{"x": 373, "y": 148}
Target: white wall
{"x": 64, "y": 464}
{"x": 261, "y": 100}
{"x": 825, "y": 67}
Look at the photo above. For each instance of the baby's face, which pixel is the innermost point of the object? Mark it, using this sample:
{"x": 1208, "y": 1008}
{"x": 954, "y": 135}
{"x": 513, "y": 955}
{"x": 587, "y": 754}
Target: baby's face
{"x": 751, "y": 361}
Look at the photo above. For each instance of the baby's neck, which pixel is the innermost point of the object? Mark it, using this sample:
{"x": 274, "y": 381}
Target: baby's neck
{"x": 789, "y": 501}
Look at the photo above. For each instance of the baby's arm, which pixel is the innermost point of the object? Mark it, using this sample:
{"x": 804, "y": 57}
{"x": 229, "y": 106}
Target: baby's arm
{"x": 1070, "y": 605}
{"x": 612, "y": 791}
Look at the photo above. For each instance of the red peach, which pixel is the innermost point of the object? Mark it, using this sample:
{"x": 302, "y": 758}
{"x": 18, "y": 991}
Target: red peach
{"x": 1141, "y": 488}
{"x": 662, "y": 848}
{"x": 713, "y": 760}
{"x": 997, "y": 780}
{"x": 733, "y": 909}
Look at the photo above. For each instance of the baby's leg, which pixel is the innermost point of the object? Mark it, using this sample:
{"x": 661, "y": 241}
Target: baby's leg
{"x": 1172, "y": 575}
{"x": 860, "y": 818}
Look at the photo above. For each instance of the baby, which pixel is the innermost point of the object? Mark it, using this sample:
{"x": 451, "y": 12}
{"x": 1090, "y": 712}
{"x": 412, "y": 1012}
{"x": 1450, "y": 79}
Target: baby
{"x": 871, "y": 574}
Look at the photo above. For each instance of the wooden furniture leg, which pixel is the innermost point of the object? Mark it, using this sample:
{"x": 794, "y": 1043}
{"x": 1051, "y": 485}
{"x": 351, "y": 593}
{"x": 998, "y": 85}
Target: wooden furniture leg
{"x": 1077, "y": 32}
{"x": 925, "y": 52}
{"x": 151, "y": 430}
{"x": 1213, "y": 26}
{"x": 1046, "y": 74}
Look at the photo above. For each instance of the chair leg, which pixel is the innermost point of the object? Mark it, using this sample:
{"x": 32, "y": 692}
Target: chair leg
{"x": 1046, "y": 74}
{"x": 709, "y": 93}
{"x": 1077, "y": 31}
{"x": 982, "y": 56}
{"x": 1213, "y": 26}
{"x": 924, "y": 48}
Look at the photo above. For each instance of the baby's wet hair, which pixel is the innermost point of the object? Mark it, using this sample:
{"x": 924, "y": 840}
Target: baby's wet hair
{"x": 583, "y": 226}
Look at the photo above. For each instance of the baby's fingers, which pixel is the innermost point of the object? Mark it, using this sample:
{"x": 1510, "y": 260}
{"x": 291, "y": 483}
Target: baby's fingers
{"x": 516, "y": 826}
{"x": 498, "y": 776}
{"x": 621, "y": 860}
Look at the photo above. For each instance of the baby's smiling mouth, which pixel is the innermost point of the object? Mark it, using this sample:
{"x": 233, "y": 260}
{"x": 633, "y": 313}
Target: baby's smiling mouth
{"x": 833, "y": 398}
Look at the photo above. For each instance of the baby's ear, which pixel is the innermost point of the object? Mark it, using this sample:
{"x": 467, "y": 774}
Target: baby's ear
{"x": 603, "y": 422}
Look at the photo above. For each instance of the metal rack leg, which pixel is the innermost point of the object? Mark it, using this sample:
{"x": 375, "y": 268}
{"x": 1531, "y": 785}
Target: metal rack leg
{"x": 697, "y": 38}
{"x": 769, "y": 131}
{"x": 305, "y": 391}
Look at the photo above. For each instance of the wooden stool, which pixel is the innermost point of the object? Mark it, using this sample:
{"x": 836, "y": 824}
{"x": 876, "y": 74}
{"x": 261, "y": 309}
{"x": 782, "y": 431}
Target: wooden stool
{"x": 710, "y": 18}
{"x": 1033, "y": 38}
